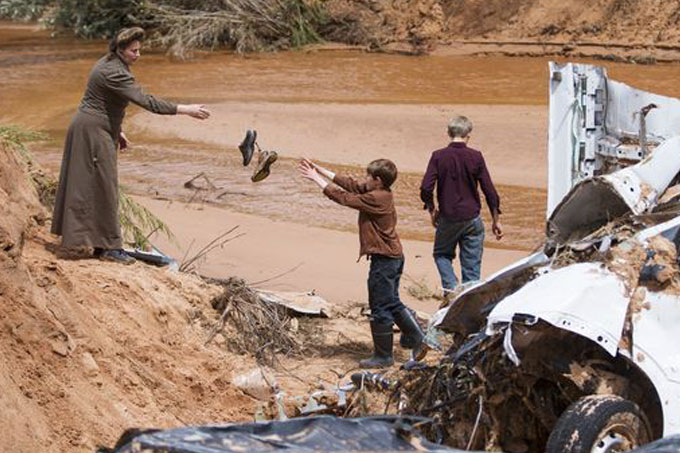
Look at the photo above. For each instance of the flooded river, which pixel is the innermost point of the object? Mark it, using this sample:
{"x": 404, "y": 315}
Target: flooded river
{"x": 42, "y": 79}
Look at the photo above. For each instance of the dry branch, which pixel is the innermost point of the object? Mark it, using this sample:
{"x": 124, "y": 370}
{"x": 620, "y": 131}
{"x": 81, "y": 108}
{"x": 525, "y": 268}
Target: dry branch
{"x": 188, "y": 263}
{"x": 257, "y": 327}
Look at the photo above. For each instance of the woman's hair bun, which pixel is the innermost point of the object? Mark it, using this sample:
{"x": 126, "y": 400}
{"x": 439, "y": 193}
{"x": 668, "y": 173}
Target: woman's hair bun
{"x": 125, "y": 36}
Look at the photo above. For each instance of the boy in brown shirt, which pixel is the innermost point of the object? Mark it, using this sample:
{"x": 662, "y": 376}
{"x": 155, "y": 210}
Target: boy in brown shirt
{"x": 379, "y": 241}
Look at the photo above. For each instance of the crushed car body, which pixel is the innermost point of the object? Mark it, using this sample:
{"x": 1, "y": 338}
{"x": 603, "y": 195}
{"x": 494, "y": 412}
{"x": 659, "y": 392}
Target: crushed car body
{"x": 578, "y": 340}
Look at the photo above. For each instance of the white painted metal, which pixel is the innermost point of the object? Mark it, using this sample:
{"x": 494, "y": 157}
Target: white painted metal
{"x": 640, "y": 185}
{"x": 588, "y": 300}
{"x": 560, "y": 126}
{"x": 583, "y": 298}
{"x": 656, "y": 337}
{"x": 535, "y": 259}
{"x": 591, "y": 118}
{"x": 624, "y": 101}
{"x": 593, "y": 127}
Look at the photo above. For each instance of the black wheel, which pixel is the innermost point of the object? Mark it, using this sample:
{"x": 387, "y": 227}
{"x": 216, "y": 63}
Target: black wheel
{"x": 599, "y": 424}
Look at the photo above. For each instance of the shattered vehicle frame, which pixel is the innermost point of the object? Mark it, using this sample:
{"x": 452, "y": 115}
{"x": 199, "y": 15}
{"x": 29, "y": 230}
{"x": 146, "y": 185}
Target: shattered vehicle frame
{"x": 575, "y": 348}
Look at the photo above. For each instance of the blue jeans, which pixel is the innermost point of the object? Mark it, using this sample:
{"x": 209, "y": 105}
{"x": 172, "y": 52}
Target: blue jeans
{"x": 383, "y": 288}
{"x": 468, "y": 235}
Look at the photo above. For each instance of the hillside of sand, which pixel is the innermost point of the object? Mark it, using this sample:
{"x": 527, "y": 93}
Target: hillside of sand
{"x": 91, "y": 349}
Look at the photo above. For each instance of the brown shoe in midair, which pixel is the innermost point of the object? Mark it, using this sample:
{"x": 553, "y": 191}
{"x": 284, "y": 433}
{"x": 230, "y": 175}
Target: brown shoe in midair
{"x": 264, "y": 160}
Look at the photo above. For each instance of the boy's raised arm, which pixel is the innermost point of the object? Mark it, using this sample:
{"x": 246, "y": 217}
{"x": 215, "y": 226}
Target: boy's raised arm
{"x": 326, "y": 173}
{"x": 346, "y": 182}
{"x": 360, "y": 201}
{"x": 365, "y": 202}
{"x": 308, "y": 171}
{"x": 350, "y": 184}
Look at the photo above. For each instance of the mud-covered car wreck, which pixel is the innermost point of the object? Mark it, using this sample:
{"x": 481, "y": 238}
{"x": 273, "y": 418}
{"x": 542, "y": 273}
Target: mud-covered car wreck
{"x": 575, "y": 348}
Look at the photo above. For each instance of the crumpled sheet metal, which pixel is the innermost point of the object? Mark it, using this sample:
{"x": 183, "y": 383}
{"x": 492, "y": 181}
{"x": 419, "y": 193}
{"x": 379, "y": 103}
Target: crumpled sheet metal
{"x": 322, "y": 433}
{"x": 299, "y": 304}
{"x": 467, "y": 313}
{"x": 594, "y": 202}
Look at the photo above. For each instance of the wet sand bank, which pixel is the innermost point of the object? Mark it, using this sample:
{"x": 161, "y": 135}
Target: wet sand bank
{"x": 324, "y": 260}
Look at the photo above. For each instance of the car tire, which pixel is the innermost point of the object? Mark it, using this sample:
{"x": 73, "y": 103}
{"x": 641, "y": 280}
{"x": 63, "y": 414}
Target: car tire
{"x": 599, "y": 424}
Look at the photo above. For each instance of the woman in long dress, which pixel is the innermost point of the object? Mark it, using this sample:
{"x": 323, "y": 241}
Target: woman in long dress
{"x": 86, "y": 207}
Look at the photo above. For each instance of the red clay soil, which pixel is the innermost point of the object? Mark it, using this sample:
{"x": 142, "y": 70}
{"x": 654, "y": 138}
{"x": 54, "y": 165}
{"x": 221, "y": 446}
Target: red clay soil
{"x": 91, "y": 348}
{"x": 604, "y": 28}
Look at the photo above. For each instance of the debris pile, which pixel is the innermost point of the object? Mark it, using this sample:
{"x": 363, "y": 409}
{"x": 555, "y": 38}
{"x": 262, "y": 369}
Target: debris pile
{"x": 257, "y": 325}
{"x": 481, "y": 401}
{"x": 503, "y": 386}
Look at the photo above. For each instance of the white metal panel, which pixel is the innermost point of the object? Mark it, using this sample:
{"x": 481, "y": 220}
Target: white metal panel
{"x": 560, "y": 148}
{"x": 640, "y": 185}
{"x": 535, "y": 259}
{"x": 583, "y": 298}
{"x": 625, "y": 101}
{"x": 656, "y": 336}
{"x": 657, "y": 229}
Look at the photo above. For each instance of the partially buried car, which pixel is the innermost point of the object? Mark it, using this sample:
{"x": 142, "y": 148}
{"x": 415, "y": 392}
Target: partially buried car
{"x": 576, "y": 348}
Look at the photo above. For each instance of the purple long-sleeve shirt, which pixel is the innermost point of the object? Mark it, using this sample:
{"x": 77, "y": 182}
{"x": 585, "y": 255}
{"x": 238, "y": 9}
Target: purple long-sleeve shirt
{"x": 456, "y": 170}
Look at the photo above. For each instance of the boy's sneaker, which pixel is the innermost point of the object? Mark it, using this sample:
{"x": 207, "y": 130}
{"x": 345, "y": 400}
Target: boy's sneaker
{"x": 264, "y": 160}
{"x": 247, "y": 147}
{"x": 117, "y": 256}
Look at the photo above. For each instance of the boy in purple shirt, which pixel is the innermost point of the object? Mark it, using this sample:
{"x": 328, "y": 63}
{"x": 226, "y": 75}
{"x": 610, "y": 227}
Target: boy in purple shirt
{"x": 457, "y": 171}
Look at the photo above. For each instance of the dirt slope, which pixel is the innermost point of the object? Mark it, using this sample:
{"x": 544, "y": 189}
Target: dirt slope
{"x": 426, "y": 23}
{"x": 624, "y": 21}
{"x": 90, "y": 349}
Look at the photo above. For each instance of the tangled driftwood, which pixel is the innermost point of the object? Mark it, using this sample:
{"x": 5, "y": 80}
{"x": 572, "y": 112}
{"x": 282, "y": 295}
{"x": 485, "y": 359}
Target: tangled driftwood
{"x": 254, "y": 326}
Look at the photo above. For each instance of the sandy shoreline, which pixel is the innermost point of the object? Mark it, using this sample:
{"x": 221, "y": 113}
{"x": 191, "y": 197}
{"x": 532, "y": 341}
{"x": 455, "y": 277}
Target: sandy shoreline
{"x": 326, "y": 258}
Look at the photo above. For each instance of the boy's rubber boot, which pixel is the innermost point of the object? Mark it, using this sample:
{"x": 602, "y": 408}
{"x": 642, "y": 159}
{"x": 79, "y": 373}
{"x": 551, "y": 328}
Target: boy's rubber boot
{"x": 407, "y": 339}
{"x": 382, "y": 346}
{"x": 412, "y": 334}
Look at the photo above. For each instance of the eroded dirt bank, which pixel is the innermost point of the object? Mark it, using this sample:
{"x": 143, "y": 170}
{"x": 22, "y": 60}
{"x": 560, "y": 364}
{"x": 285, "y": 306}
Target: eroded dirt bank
{"x": 637, "y": 31}
{"x": 92, "y": 348}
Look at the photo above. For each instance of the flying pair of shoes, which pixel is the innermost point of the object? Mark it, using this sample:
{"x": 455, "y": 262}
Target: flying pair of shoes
{"x": 264, "y": 158}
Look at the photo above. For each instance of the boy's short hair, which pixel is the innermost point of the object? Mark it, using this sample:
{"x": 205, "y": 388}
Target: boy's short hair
{"x": 459, "y": 126}
{"x": 383, "y": 169}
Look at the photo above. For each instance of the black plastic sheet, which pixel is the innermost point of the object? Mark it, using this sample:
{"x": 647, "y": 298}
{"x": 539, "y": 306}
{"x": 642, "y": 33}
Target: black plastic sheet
{"x": 322, "y": 433}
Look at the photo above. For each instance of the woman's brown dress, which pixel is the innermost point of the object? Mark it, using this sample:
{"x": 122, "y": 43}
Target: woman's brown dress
{"x": 86, "y": 207}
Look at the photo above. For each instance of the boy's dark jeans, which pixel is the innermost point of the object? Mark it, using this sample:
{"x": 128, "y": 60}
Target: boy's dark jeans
{"x": 383, "y": 288}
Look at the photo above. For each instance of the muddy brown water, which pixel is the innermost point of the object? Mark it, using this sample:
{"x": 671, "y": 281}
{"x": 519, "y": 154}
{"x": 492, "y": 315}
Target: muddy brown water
{"x": 42, "y": 79}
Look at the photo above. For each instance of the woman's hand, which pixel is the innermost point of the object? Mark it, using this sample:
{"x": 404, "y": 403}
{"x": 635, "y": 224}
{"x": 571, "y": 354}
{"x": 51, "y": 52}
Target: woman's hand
{"x": 123, "y": 142}
{"x": 197, "y": 111}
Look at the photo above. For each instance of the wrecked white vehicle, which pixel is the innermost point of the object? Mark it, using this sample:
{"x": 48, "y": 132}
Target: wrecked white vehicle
{"x": 577, "y": 347}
